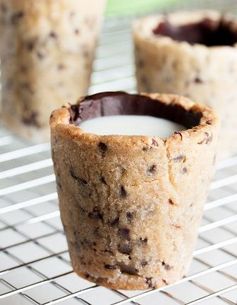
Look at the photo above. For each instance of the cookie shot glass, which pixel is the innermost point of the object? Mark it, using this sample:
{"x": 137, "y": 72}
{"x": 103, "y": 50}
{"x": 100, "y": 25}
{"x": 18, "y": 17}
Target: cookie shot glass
{"x": 132, "y": 176}
{"x": 47, "y": 50}
{"x": 192, "y": 54}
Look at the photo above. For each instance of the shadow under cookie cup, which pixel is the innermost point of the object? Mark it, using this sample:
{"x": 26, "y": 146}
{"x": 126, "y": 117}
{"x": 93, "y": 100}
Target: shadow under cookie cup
{"x": 131, "y": 205}
{"x": 193, "y": 54}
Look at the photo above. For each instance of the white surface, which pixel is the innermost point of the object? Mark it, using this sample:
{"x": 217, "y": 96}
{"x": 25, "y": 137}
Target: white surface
{"x": 133, "y": 125}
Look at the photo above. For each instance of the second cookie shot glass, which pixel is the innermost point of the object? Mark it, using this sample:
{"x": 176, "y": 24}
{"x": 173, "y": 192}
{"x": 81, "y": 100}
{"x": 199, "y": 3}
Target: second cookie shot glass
{"x": 131, "y": 198}
{"x": 193, "y": 54}
{"x": 47, "y": 50}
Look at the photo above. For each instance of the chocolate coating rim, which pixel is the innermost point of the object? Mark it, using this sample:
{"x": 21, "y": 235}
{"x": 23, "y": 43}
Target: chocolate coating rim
{"x": 206, "y": 31}
{"x": 61, "y": 119}
{"x": 122, "y": 103}
{"x": 143, "y": 29}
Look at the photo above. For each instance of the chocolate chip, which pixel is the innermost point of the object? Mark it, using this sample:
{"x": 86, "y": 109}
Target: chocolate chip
{"x": 95, "y": 214}
{"x": 122, "y": 192}
{"x": 166, "y": 266}
{"x": 209, "y": 122}
{"x": 149, "y": 282}
{"x": 198, "y": 80}
{"x": 108, "y": 251}
{"x": 15, "y": 18}
{"x": 143, "y": 240}
{"x": 171, "y": 202}
{"x": 122, "y": 170}
{"x": 110, "y": 267}
{"x": 40, "y": 55}
{"x": 3, "y": 8}
{"x": 75, "y": 245}
{"x": 31, "y": 119}
{"x": 124, "y": 233}
{"x": 154, "y": 142}
{"x": 140, "y": 63}
{"x": 144, "y": 263}
{"x": 97, "y": 232}
{"x": 131, "y": 270}
{"x": 129, "y": 216}
{"x": 27, "y": 87}
{"x": 24, "y": 69}
{"x": 184, "y": 170}
{"x": 207, "y": 138}
{"x": 82, "y": 210}
{"x": 102, "y": 179}
{"x": 61, "y": 67}
{"x": 88, "y": 242}
{"x": 152, "y": 169}
{"x": 30, "y": 45}
{"x": 103, "y": 148}
{"x": 125, "y": 248}
{"x": 53, "y": 35}
{"x": 114, "y": 222}
{"x": 81, "y": 181}
{"x": 179, "y": 158}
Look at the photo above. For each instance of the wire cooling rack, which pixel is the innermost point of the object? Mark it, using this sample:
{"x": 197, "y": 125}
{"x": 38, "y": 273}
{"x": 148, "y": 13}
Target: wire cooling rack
{"x": 34, "y": 261}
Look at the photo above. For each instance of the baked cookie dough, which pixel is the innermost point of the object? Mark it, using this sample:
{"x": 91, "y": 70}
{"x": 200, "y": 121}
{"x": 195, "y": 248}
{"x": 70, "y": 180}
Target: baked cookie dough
{"x": 47, "y": 49}
{"x": 131, "y": 205}
{"x": 193, "y": 54}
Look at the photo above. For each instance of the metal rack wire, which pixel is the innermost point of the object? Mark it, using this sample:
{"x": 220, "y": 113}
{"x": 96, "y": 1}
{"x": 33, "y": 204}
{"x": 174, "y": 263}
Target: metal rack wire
{"x": 34, "y": 262}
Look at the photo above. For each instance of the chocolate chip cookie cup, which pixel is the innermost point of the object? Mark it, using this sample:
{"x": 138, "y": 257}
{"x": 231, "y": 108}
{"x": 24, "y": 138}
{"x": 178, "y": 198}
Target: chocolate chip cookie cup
{"x": 47, "y": 50}
{"x": 131, "y": 205}
{"x": 192, "y": 54}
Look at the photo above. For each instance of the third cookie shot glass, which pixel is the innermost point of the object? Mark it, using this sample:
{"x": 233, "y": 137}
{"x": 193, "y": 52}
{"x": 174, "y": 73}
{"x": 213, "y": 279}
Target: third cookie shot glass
{"x": 193, "y": 54}
{"x": 47, "y": 50}
{"x": 132, "y": 176}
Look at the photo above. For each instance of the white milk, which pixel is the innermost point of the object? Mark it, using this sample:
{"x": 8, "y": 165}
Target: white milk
{"x": 131, "y": 125}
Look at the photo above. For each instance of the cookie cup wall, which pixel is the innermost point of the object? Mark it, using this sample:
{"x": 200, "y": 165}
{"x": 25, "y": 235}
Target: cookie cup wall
{"x": 131, "y": 205}
{"x": 204, "y": 74}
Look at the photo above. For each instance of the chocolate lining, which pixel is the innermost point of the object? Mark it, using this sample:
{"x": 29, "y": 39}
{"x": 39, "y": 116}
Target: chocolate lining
{"x": 121, "y": 103}
{"x": 207, "y": 32}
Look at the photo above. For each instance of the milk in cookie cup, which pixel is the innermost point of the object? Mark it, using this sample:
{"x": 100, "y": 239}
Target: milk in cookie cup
{"x": 193, "y": 54}
{"x": 131, "y": 204}
{"x": 47, "y": 50}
